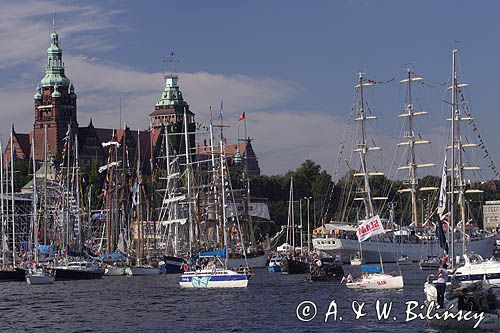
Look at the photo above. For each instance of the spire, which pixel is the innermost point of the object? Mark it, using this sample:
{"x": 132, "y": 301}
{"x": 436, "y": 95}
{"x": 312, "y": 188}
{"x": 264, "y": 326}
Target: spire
{"x": 72, "y": 91}
{"x": 54, "y": 72}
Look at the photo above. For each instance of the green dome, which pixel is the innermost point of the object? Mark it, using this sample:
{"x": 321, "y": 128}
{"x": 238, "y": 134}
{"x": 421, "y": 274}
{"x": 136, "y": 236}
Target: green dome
{"x": 50, "y": 80}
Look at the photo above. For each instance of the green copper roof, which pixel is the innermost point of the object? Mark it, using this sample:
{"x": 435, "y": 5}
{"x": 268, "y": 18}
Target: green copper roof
{"x": 171, "y": 94}
{"x": 54, "y": 73}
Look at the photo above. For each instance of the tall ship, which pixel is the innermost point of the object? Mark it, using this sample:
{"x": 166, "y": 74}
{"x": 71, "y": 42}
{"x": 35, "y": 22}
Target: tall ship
{"x": 413, "y": 237}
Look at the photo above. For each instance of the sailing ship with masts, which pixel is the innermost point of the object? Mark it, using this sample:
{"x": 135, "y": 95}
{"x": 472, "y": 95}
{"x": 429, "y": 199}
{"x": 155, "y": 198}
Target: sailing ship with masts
{"x": 211, "y": 270}
{"x": 11, "y": 270}
{"x": 371, "y": 225}
{"x": 472, "y": 281}
{"x": 72, "y": 263}
{"x": 37, "y": 273}
{"x": 408, "y": 240}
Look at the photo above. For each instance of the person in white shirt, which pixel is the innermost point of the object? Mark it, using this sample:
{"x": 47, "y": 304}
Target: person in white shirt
{"x": 442, "y": 278}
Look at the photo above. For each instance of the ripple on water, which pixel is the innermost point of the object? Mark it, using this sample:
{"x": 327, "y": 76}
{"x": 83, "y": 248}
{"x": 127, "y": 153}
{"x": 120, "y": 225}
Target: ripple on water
{"x": 134, "y": 304}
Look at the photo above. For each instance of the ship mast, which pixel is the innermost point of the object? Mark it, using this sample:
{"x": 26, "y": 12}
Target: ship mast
{"x": 412, "y": 165}
{"x": 457, "y": 163}
{"x": 363, "y": 149}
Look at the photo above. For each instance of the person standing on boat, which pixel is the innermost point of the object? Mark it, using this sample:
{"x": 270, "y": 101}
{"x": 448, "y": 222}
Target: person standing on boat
{"x": 444, "y": 260}
{"x": 442, "y": 278}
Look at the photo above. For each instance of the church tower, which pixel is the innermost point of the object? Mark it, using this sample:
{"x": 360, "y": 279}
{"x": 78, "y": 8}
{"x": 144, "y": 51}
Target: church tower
{"x": 55, "y": 103}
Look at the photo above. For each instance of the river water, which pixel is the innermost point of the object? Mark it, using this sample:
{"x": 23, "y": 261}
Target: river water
{"x": 156, "y": 303}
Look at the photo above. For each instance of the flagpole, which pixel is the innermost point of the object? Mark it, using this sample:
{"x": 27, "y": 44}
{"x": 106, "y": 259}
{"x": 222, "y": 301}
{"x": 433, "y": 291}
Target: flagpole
{"x": 245, "y": 121}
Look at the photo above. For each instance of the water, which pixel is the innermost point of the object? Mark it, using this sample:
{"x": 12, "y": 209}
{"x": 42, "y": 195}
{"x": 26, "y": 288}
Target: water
{"x": 156, "y": 303}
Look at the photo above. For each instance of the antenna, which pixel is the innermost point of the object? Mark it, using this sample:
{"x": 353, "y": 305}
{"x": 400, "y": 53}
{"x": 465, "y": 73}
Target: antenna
{"x": 171, "y": 60}
{"x": 54, "y": 22}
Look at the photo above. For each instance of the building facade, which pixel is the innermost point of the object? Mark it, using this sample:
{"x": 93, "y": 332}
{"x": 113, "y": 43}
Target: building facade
{"x": 491, "y": 215}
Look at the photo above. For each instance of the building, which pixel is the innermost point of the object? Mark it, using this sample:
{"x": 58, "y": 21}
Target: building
{"x": 491, "y": 215}
{"x": 169, "y": 116}
{"x": 56, "y": 121}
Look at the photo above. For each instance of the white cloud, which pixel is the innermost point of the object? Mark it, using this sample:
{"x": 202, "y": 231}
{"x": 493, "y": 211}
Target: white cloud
{"x": 25, "y": 27}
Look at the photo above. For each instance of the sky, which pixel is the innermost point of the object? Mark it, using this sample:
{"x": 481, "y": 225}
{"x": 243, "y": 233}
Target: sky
{"x": 289, "y": 65}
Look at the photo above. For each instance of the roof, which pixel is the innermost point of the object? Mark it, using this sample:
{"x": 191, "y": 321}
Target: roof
{"x": 24, "y": 142}
{"x": 171, "y": 93}
{"x": 230, "y": 149}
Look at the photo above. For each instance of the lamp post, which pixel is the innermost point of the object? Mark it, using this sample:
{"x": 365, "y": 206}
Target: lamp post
{"x": 308, "y": 225}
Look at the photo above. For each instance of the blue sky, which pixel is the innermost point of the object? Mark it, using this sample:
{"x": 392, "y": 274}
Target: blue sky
{"x": 290, "y": 65}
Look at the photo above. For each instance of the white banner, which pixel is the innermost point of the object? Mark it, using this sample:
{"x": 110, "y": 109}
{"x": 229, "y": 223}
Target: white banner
{"x": 259, "y": 209}
{"x": 368, "y": 228}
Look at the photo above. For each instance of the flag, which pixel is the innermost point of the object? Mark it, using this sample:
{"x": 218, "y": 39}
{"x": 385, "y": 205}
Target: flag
{"x": 441, "y": 236}
{"x": 368, "y": 228}
{"x": 442, "y": 190}
{"x": 242, "y": 116}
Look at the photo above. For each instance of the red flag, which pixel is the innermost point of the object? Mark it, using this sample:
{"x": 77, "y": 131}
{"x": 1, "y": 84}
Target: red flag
{"x": 242, "y": 116}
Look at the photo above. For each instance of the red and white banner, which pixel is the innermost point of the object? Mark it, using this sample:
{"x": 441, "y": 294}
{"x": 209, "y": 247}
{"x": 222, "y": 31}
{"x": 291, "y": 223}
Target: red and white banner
{"x": 368, "y": 228}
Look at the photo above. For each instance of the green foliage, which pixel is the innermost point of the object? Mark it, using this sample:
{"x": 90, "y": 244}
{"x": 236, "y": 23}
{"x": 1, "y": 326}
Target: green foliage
{"x": 94, "y": 181}
{"x": 311, "y": 181}
{"x": 22, "y": 174}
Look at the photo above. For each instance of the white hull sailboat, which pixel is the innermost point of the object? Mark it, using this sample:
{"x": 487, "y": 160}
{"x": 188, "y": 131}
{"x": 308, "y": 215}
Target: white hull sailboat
{"x": 372, "y": 226}
{"x": 141, "y": 271}
{"x": 208, "y": 278}
{"x": 114, "y": 271}
{"x": 377, "y": 281}
{"x": 40, "y": 277}
{"x": 213, "y": 277}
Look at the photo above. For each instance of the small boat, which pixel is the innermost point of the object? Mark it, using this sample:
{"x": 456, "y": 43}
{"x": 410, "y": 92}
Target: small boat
{"x": 404, "y": 260}
{"x": 294, "y": 266}
{"x": 79, "y": 270}
{"x": 476, "y": 269}
{"x": 213, "y": 278}
{"x": 377, "y": 281}
{"x": 40, "y": 275}
{"x": 326, "y": 269}
{"x": 476, "y": 299}
{"x": 114, "y": 264}
{"x": 114, "y": 270}
{"x": 274, "y": 265}
{"x": 245, "y": 270}
{"x": 429, "y": 264}
{"x": 142, "y": 270}
{"x": 172, "y": 265}
{"x": 356, "y": 260}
